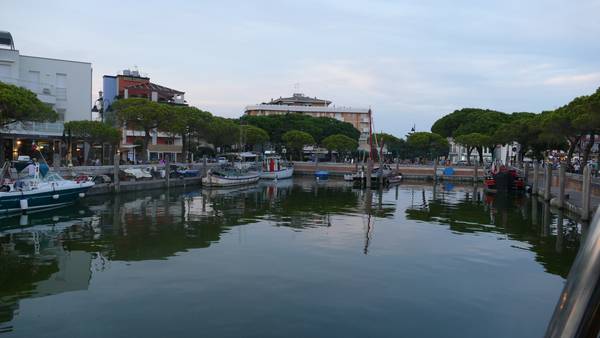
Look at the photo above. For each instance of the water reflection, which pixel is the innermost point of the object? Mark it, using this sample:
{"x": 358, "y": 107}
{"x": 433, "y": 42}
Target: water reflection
{"x": 57, "y": 252}
{"x": 555, "y": 239}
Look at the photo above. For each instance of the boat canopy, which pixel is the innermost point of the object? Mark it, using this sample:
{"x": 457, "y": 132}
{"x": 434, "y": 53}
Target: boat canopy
{"x": 22, "y": 165}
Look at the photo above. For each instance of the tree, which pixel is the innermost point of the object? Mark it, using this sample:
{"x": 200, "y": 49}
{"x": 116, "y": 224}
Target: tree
{"x": 223, "y": 132}
{"x": 428, "y": 145}
{"x": 295, "y": 140}
{"x": 317, "y": 127}
{"x": 18, "y": 104}
{"x": 141, "y": 114}
{"x": 254, "y": 136}
{"x": 394, "y": 145}
{"x": 188, "y": 122}
{"x": 94, "y": 132}
{"x": 340, "y": 143}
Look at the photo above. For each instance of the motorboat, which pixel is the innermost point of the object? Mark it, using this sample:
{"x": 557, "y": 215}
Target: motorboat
{"x": 35, "y": 187}
{"x": 275, "y": 168}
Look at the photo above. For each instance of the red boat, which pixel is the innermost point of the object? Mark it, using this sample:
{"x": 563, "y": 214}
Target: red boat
{"x": 504, "y": 179}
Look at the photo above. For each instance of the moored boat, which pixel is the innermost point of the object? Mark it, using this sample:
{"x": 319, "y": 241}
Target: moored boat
{"x": 227, "y": 178}
{"x": 37, "y": 189}
{"x": 275, "y": 168}
{"x": 322, "y": 174}
{"x": 502, "y": 178}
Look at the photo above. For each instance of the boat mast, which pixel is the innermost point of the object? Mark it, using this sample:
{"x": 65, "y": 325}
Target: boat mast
{"x": 370, "y": 136}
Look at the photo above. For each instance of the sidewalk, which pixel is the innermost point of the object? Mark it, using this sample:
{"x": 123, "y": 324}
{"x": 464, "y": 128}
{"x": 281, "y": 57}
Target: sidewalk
{"x": 574, "y": 201}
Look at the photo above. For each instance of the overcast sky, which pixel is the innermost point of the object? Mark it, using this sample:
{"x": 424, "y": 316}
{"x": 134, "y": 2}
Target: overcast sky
{"x": 411, "y": 61}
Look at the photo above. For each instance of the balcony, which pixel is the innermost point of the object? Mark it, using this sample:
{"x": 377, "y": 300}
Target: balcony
{"x": 35, "y": 128}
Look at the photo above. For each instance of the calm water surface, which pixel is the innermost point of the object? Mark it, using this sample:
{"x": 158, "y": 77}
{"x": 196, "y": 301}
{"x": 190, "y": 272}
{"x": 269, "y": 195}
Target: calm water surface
{"x": 293, "y": 259}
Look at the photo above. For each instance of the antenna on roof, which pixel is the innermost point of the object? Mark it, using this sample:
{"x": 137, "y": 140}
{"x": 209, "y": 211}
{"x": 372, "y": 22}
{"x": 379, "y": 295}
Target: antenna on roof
{"x": 297, "y": 87}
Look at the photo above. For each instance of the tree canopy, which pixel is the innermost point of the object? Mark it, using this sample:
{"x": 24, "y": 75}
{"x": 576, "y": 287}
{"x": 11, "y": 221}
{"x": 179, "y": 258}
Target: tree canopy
{"x": 318, "y": 127}
{"x": 18, "y": 104}
{"x": 427, "y": 145}
{"x": 94, "y": 131}
{"x": 254, "y": 136}
{"x": 340, "y": 143}
{"x": 223, "y": 132}
{"x": 295, "y": 140}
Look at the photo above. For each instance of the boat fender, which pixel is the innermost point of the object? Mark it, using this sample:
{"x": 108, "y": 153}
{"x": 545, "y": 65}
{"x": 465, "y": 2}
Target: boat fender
{"x": 81, "y": 195}
{"x": 55, "y": 196}
{"x": 24, "y": 220}
{"x": 24, "y": 204}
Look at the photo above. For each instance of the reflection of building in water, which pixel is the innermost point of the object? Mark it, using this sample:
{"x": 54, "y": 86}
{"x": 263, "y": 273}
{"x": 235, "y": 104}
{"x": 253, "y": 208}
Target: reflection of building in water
{"x": 37, "y": 265}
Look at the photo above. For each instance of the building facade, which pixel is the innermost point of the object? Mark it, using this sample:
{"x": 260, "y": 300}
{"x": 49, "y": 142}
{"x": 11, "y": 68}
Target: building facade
{"x": 64, "y": 85}
{"x": 301, "y": 104}
{"x": 132, "y": 84}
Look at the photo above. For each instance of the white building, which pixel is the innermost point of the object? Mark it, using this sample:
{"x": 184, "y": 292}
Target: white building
{"x": 504, "y": 153}
{"x": 64, "y": 85}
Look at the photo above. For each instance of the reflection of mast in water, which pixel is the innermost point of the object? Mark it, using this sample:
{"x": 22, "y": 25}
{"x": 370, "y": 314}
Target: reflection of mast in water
{"x": 369, "y": 229}
{"x": 368, "y": 235}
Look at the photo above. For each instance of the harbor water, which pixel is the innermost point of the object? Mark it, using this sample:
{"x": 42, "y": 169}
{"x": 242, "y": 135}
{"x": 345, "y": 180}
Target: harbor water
{"x": 296, "y": 258}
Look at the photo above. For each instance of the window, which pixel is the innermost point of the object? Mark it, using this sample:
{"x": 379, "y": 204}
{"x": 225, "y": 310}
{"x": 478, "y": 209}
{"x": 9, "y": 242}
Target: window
{"x": 61, "y": 114}
{"x": 5, "y": 73}
{"x": 61, "y": 80}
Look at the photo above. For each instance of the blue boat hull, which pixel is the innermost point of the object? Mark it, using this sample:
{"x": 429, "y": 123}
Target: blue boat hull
{"x": 9, "y": 204}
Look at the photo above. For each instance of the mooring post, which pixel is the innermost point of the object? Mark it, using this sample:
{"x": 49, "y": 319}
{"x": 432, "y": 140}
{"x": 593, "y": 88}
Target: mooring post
{"x": 397, "y": 165}
{"x": 548, "y": 182}
{"x": 369, "y": 170}
{"x": 585, "y": 191}
{"x": 562, "y": 181}
{"x": 536, "y": 174}
{"x": 116, "y": 181}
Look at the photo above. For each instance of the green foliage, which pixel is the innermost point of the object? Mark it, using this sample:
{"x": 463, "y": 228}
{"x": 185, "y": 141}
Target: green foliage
{"x": 318, "y": 127}
{"x": 340, "y": 143}
{"x": 394, "y": 145}
{"x": 254, "y": 135}
{"x": 93, "y": 131}
{"x": 140, "y": 113}
{"x": 295, "y": 140}
{"x": 427, "y": 145}
{"x": 223, "y": 132}
{"x": 18, "y": 104}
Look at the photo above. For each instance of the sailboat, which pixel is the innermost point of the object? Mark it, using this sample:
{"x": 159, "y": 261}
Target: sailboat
{"x": 36, "y": 187}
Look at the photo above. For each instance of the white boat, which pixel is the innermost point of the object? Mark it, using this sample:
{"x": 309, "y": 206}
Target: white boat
{"x": 276, "y": 168}
{"x": 220, "y": 178}
{"x": 37, "y": 189}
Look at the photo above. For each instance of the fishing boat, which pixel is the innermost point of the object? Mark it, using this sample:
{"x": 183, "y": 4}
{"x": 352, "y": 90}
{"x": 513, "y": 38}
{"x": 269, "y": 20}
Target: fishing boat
{"x": 502, "y": 178}
{"x": 34, "y": 187}
{"x": 276, "y": 168}
{"x": 228, "y": 178}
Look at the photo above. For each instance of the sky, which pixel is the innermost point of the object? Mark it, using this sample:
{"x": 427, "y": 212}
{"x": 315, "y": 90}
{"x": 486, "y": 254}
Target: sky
{"x": 410, "y": 61}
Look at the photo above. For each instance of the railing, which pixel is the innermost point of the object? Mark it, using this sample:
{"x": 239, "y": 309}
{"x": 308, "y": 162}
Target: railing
{"x": 35, "y": 128}
{"x": 577, "y": 313}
